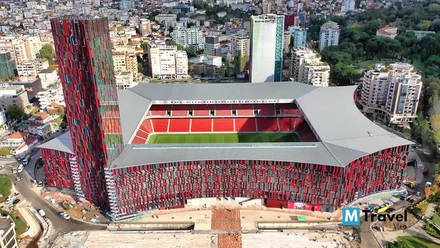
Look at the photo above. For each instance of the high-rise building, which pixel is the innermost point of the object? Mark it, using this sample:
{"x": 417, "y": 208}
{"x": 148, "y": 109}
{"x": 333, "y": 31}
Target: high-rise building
{"x": 212, "y": 45}
{"x": 328, "y": 35}
{"x": 84, "y": 55}
{"x": 306, "y": 67}
{"x": 299, "y": 36}
{"x": 266, "y": 48}
{"x": 125, "y": 60}
{"x": 188, "y": 36}
{"x": 8, "y": 68}
{"x": 240, "y": 46}
{"x": 145, "y": 27}
{"x": 393, "y": 92}
{"x": 166, "y": 62}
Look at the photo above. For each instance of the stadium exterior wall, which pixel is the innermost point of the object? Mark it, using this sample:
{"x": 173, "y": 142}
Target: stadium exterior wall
{"x": 320, "y": 187}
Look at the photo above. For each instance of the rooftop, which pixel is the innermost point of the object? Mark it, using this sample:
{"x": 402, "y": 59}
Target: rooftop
{"x": 344, "y": 133}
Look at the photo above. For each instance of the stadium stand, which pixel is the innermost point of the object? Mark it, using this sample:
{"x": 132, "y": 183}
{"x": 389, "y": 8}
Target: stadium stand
{"x": 223, "y": 125}
{"x": 180, "y": 110}
{"x": 158, "y": 110}
{"x": 160, "y": 125}
{"x": 288, "y": 109}
{"x": 267, "y": 124}
{"x": 286, "y": 123}
{"x": 179, "y": 125}
{"x": 201, "y": 110}
{"x": 265, "y": 109}
{"x": 201, "y": 125}
{"x": 146, "y": 126}
{"x": 222, "y": 110}
{"x": 138, "y": 140}
{"x": 245, "y": 125}
{"x": 243, "y": 109}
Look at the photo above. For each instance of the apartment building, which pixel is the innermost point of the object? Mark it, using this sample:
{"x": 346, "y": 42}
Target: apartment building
{"x": 392, "y": 92}
{"x": 306, "y": 67}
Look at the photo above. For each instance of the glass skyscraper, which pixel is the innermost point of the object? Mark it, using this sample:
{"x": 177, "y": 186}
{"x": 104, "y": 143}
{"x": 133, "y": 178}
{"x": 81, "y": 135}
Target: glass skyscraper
{"x": 266, "y": 48}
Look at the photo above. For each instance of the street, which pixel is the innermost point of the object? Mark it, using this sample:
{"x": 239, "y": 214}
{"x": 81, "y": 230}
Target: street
{"x": 24, "y": 187}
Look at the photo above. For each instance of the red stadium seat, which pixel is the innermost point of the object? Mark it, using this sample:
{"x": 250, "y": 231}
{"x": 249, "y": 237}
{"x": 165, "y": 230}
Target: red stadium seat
{"x": 265, "y": 109}
{"x": 201, "y": 125}
{"x": 243, "y": 109}
{"x": 180, "y": 110}
{"x": 179, "y": 125}
{"x": 160, "y": 125}
{"x": 146, "y": 126}
{"x": 142, "y": 134}
{"x": 288, "y": 109}
{"x": 287, "y": 123}
{"x": 222, "y": 110}
{"x": 201, "y": 110}
{"x": 305, "y": 132}
{"x": 159, "y": 110}
{"x": 138, "y": 140}
{"x": 223, "y": 125}
{"x": 267, "y": 124}
{"x": 245, "y": 125}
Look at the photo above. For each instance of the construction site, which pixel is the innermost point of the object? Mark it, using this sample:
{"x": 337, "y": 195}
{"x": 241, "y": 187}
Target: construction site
{"x": 222, "y": 223}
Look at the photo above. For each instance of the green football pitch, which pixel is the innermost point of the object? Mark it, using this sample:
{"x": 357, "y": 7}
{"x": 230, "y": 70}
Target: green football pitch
{"x": 176, "y": 138}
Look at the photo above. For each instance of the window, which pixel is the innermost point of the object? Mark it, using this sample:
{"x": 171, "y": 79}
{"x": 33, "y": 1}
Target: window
{"x": 234, "y": 112}
{"x": 190, "y": 112}
{"x": 211, "y": 112}
{"x": 169, "y": 112}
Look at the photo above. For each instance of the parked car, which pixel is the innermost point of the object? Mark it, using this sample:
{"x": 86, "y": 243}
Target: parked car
{"x": 16, "y": 201}
{"x": 66, "y": 216}
{"x": 20, "y": 168}
{"x": 41, "y": 212}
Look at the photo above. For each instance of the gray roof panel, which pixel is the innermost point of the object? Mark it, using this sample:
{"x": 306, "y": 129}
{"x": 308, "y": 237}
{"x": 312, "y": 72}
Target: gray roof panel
{"x": 62, "y": 143}
{"x": 344, "y": 133}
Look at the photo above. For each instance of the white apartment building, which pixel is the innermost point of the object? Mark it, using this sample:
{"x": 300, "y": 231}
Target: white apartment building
{"x": 124, "y": 79}
{"x": 30, "y": 68}
{"x": 240, "y": 46}
{"x": 125, "y": 60}
{"x": 145, "y": 27}
{"x": 166, "y": 62}
{"x": 393, "y": 92}
{"x": 13, "y": 95}
{"x": 188, "y": 37}
{"x": 22, "y": 48}
{"x": 328, "y": 35}
{"x": 52, "y": 95}
{"x": 306, "y": 67}
{"x": 48, "y": 77}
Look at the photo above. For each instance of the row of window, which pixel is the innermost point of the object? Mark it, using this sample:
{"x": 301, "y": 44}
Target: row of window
{"x": 233, "y": 112}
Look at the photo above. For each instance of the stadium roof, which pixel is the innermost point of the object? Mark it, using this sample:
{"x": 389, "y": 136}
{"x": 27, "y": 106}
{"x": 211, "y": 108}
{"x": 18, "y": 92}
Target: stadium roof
{"x": 61, "y": 143}
{"x": 344, "y": 133}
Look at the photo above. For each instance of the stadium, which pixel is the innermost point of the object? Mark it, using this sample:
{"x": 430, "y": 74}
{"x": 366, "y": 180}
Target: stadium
{"x": 158, "y": 145}
{"x": 276, "y": 141}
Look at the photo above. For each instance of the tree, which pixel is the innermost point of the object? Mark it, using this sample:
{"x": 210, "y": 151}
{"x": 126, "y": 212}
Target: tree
{"x": 144, "y": 45}
{"x": 4, "y": 151}
{"x": 47, "y": 52}
{"x": 14, "y": 112}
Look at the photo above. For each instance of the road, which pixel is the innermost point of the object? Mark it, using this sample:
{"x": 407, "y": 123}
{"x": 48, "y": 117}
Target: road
{"x": 59, "y": 225}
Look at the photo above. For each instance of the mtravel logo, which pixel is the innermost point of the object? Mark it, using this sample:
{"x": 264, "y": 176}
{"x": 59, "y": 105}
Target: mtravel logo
{"x": 351, "y": 216}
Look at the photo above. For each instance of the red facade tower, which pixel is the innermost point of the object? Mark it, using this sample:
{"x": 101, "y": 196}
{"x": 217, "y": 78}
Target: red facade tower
{"x": 83, "y": 51}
